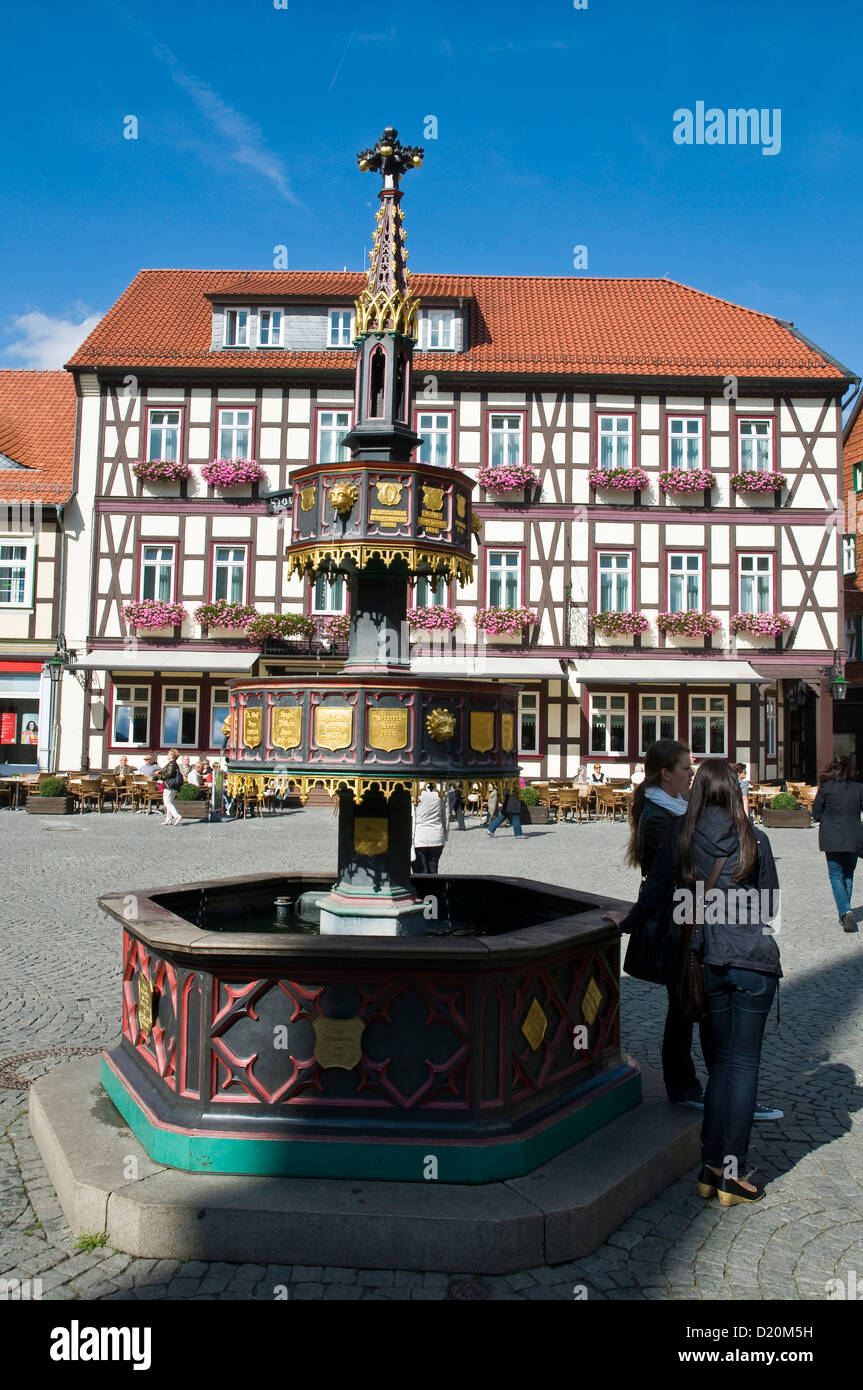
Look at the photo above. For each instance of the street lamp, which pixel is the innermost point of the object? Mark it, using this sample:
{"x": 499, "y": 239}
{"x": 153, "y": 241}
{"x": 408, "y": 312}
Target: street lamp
{"x": 61, "y": 661}
{"x": 838, "y": 684}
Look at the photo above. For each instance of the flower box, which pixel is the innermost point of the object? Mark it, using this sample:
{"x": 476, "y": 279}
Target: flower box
{"x": 785, "y": 820}
{"x": 49, "y": 805}
{"x": 161, "y": 470}
{"x": 503, "y": 623}
{"x": 690, "y": 624}
{"x": 281, "y": 626}
{"x": 686, "y": 480}
{"x": 619, "y": 479}
{"x": 760, "y": 624}
{"x": 620, "y": 624}
{"x": 507, "y": 479}
{"x": 759, "y": 482}
{"x": 434, "y": 620}
{"x": 154, "y": 617}
{"x": 193, "y": 810}
{"x": 228, "y": 473}
{"x": 223, "y": 619}
{"x": 335, "y": 628}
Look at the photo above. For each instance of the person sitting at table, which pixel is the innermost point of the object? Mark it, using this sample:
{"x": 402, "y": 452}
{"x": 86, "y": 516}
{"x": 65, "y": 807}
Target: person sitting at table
{"x": 581, "y": 775}
{"x": 149, "y": 767}
{"x": 597, "y": 776}
{"x": 122, "y": 771}
{"x": 194, "y": 775}
{"x": 185, "y": 766}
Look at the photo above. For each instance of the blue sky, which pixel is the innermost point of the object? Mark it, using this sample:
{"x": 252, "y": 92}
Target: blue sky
{"x": 554, "y": 129}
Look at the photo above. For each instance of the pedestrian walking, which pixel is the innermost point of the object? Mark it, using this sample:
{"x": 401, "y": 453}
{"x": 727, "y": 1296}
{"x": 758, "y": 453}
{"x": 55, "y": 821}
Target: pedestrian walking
{"x": 455, "y": 806}
{"x": 836, "y": 810}
{"x": 511, "y": 811}
{"x": 492, "y": 804}
{"x": 172, "y": 781}
{"x": 430, "y": 829}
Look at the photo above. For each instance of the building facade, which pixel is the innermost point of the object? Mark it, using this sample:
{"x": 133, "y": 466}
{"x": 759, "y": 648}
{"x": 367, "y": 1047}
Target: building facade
{"x": 634, "y": 404}
{"x": 849, "y": 720}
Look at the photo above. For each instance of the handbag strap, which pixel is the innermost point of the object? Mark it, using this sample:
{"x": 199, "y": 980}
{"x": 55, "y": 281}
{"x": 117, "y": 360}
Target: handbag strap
{"x": 718, "y": 866}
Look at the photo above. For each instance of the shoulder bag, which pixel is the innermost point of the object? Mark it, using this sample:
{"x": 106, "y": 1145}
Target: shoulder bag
{"x": 690, "y": 982}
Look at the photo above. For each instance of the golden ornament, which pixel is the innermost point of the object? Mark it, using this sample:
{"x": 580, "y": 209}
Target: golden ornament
{"x": 440, "y": 725}
{"x": 343, "y": 498}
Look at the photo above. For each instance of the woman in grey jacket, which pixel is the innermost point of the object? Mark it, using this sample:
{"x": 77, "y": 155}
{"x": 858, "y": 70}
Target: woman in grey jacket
{"x": 840, "y": 834}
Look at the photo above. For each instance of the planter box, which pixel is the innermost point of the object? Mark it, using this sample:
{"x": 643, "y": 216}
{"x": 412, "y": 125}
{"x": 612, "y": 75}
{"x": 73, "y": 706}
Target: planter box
{"x": 193, "y": 810}
{"x": 785, "y": 820}
{"x": 235, "y": 634}
{"x": 503, "y": 639}
{"x": 49, "y": 805}
{"x": 159, "y": 632}
{"x": 534, "y": 815}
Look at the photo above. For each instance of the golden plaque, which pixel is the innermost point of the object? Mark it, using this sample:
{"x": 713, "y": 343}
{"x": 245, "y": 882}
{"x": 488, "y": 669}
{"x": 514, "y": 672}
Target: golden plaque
{"x": 388, "y": 729}
{"x": 460, "y": 504}
{"x": 432, "y": 498}
{"x": 145, "y": 1005}
{"x": 535, "y": 1025}
{"x": 253, "y": 726}
{"x": 389, "y": 494}
{"x": 307, "y": 497}
{"x": 287, "y": 727}
{"x": 481, "y": 731}
{"x": 371, "y": 835}
{"x": 333, "y": 727}
{"x": 441, "y": 725}
{"x": 590, "y": 1003}
{"x": 507, "y": 732}
{"x": 338, "y": 1042}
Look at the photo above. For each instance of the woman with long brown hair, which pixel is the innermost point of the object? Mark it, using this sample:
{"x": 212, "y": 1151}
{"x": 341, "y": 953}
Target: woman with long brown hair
{"x": 837, "y": 810}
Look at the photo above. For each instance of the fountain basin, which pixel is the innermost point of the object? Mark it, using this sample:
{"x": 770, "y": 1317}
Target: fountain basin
{"x": 465, "y": 1059}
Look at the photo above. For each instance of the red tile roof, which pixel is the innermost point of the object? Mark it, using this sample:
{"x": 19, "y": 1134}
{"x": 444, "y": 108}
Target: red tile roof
{"x": 37, "y": 431}
{"x": 517, "y": 325}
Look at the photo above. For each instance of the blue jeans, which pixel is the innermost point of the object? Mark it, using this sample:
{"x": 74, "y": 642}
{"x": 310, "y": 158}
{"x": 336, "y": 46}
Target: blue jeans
{"x": 738, "y": 1002}
{"x": 840, "y": 867}
{"x": 499, "y": 820}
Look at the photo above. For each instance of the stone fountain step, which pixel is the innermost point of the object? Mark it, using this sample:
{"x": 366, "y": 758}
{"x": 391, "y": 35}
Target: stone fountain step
{"x": 106, "y": 1182}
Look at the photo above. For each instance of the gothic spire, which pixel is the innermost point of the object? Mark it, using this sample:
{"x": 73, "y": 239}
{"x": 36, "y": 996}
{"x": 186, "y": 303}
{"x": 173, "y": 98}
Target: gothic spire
{"x": 386, "y": 303}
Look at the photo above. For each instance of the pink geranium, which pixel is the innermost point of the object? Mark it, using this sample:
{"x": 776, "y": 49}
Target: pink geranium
{"x": 761, "y": 624}
{"x": 758, "y": 482}
{"x": 507, "y": 477}
{"x": 434, "y": 619}
{"x": 620, "y": 624}
{"x": 619, "y": 479}
{"x": 152, "y": 612}
{"x": 509, "y": 621}
{"x": 225, "y": 473}
{"x": 161, "y": 470}
{"x": 680, "y": 480}
{"x": 688, "y": 624}
{"x": 220, "y": 613}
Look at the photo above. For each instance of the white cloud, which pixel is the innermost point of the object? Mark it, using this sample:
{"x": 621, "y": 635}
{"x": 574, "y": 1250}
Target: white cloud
{"x": 46, "y": 342}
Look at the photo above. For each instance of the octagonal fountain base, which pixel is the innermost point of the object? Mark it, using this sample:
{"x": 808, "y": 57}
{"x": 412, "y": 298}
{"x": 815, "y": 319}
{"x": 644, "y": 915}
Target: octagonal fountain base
{"x": 471, "y": 1056}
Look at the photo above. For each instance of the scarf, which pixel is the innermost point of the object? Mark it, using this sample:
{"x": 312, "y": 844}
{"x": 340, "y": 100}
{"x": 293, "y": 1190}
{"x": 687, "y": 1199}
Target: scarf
{"x": 675, "y": 804}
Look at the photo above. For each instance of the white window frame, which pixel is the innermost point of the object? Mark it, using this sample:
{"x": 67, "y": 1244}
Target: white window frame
{"x": 431, "y": 433}
{"x": 686, "y": 436}
{"x": 754, "y": 465}
{"x": 162, "y": 429}
{"x": 849, "y": 553}
{"x": 134, "y": 701}
{"x": 236, "y": 331}
{"x": 502, "y": 571}
{"x": 324, "y": 595}
{"x": 156, "y": 563}
{"x": 615, "y": 434}
{"x": 234, "y": 429}
{"x": 657, "y": 714}
{"x": 601, "y": 707}
{"x": 336, "y": 329}
{"x": 220, "y": 696}
{"x": 684, "y": 573}
{"x": 531, "y": 711}
{"x": 696, "y": 712}
{"x": 342, "y": 455}
{"x": 275, "y": 339}
{"x": 770, "y": 727}
{"x": 614, "y": 570}
{"x": 181, "y": 703}
{"x": 228, "y": 565}
{"x": 25, "y": 565}
{"x": 758, "y": 572}
{"x": 431, "y": 592}
{"x": 507, "y": 434}
{"x": 437, "y": 330}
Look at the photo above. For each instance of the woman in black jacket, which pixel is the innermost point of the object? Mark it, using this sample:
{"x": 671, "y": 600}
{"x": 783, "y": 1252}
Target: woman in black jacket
{"x": 716, "y": 843}
{"x": 511, "y": 811}
{"x": 840, "y": 834}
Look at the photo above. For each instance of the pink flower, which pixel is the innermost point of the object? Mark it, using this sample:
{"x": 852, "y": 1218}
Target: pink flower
{"x": 160, "y": 470}
{"x": 152, "y": 612}
{"x": 434, "y": 619}
{"x": 758, "y": 482}
{"x": 687, "y": 480}
{"x": 511, "y": 621}
{"x": 619, "y": 479}
{"x": 761, "y": 624}
{"x": 220, "y": 613}
{"x": 620, "y": 624}
{"x": 507, "y": 477}
{"x": 688, "y": 624}
{"x": 226, "y": 473}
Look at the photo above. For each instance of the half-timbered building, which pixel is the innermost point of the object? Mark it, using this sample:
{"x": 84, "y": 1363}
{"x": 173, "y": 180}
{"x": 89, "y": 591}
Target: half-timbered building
{"x": 678, "y": 549}
{"x": 849, "y": 717}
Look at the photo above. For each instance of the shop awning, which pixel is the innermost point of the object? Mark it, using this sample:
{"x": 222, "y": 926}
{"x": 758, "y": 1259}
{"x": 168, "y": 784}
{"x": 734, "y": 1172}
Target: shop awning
{"x": 518, "y": 667}
{"x": 152, "y": 659}
{"x": 644, "y": 671}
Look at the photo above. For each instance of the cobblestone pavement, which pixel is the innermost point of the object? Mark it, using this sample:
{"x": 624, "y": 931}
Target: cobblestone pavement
{"x": 59, "y": 993}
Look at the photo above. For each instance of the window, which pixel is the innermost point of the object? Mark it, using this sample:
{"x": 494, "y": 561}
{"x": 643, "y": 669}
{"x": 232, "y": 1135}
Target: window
{"x": 849, "y": 554}
{"x": 615, "y": 587}
{"x": 504, "y": 578}
{"x": 157, "y": 572}
{"x": 270, "y": 328}
{"x": 180, "y": 717}
{"x": 708, "y": 724}
{"x": 16, "y": 573}
{"x": 615, "y": 441}
{"x": 220, "y": 708}
{"x": 853, "y": 636}
{"x": 504, "y": 439}
{"x": 430, "y": 593}
{"x": 608, "y": 723}
{"x": 341, "y": 328}
{"x": 528, "y": 722}
{"x": 163, "y": 435}
{"x": 131, "y": 714}
{"x": 229, "y": 573}
{"x": 684, "y": 583}
{"x": 770, "y": 726}
{"x": 437, "y": 329}
{"x": 755, "y": 439}
{"x": 684, "y": 441}
{"x": 332, "y": 425}
{"x": 658, "y": 719}
{"x": 235, "y": 434}
{"x": 858, "y": 477}
{"x": 436, "y": 431}
{"x": 328, "y": 597}
{"x": 756, "y": 583}
{"x": 236, "y": 328}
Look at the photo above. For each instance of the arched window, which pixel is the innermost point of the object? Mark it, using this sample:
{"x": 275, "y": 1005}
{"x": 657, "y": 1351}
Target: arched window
{"x": 377, "y": 379}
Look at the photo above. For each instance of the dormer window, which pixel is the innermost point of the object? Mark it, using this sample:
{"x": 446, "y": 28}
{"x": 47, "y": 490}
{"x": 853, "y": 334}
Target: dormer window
{"x": 437, "y": 330}
{"x": 341, "y": 328}
{"x": 236, "y": 328}
{"x": 270, "y": 328}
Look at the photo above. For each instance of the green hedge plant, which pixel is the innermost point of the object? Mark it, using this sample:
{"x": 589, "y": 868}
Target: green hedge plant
{"x": 785, "y": 802}
{"x": 189, "y": 792}
{"x": 53, "y": 786}
{"x": 529, "y": 796}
